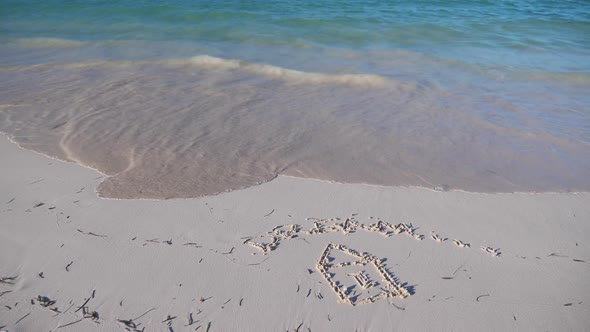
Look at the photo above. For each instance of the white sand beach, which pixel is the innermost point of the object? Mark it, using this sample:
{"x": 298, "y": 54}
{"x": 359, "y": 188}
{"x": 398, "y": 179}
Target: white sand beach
{"x": 294, "y": 166}
{"x": 71, "y": 261}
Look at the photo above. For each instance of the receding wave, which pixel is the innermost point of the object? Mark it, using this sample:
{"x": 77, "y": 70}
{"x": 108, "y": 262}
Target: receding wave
{"x": 204, "y": 125}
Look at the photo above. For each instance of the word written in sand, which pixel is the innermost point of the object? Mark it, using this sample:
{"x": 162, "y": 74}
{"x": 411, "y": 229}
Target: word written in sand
{"x": 271, "y": 240}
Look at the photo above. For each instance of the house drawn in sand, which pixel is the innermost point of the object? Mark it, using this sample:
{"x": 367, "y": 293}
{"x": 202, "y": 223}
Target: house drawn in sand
{"x": 358, "y": 278}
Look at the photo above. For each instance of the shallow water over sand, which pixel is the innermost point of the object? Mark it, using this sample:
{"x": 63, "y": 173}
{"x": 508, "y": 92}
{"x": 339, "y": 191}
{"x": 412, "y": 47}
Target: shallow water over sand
{"x": 186, "y": 98}
{"x": 203, "y": 125}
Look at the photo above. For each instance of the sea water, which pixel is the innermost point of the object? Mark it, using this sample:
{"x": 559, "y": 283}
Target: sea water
{"x": 189, "y": 98}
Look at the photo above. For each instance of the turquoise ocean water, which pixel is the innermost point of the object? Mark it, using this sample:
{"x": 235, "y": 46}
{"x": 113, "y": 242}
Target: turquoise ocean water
{"x": 541, "y": 35}
{"x": 518, "y": 71}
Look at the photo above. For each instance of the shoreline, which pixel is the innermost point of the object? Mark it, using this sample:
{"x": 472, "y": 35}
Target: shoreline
{"x": 193, "y": 259}
{"x": 433, "y": 189}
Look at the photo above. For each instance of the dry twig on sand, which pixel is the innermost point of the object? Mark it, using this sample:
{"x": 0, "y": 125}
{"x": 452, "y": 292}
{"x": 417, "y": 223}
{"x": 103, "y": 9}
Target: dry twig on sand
{"x": 479, "y": 297}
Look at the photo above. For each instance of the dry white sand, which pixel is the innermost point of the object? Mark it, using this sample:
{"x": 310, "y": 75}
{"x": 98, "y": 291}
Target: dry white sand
{"x": 193, "y": 264}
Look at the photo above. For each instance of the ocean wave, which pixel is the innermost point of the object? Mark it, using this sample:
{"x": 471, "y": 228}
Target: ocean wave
{"x": 45, "y": 42}
{"x": 208, "y": 62}
{"x": 367, "y": 80}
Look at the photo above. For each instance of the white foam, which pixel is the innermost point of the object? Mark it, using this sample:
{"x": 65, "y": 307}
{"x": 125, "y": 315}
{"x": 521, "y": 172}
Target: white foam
{"x": 47, "y": 42}
{"x": 210, "y": 62}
